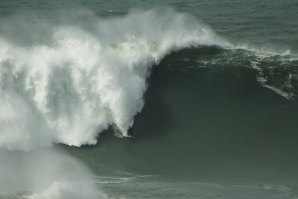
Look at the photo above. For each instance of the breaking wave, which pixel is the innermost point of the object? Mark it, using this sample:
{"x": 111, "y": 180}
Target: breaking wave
{"x": 83, "y": 78}
{"x": 65, "y": 81}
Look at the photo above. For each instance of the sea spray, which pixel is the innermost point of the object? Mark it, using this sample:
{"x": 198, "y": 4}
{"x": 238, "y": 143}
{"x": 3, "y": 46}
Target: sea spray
{"x": 45, "y": 174}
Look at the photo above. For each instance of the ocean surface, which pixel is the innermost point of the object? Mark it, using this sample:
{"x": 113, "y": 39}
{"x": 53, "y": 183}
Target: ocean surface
{"x": 133, "y": 99}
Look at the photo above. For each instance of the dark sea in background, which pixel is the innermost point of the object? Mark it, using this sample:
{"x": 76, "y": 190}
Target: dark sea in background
{"x": 210, "y": 109}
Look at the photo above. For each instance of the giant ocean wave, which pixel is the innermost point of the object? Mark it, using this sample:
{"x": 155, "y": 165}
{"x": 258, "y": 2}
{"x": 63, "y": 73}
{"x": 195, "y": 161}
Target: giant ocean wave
{"x": 83, "y": 77}
{"x": 73, "y": 79}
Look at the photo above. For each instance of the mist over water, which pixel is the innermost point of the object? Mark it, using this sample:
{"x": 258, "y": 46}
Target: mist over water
{"x": 42, "y": 174}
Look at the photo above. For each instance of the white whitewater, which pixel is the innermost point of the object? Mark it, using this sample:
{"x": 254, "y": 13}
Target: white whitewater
{"x": 85, "y": 76}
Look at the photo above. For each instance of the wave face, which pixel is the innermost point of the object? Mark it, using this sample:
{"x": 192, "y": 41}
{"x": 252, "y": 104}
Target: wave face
{"x": 66, "y": 81}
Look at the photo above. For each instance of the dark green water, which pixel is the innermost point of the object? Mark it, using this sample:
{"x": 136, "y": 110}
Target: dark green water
{"x": 210, "y": 123}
